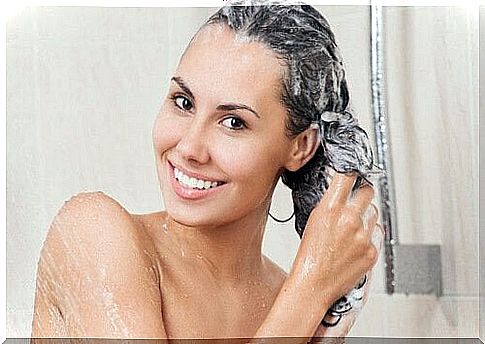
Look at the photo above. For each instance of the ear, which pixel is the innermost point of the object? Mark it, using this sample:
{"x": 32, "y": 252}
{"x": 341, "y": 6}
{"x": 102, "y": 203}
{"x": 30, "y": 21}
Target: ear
{"x": 303, "y": 148}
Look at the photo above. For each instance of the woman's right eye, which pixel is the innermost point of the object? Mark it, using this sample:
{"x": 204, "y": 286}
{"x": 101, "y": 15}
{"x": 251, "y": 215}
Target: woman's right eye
{"x": 182, "y": 102}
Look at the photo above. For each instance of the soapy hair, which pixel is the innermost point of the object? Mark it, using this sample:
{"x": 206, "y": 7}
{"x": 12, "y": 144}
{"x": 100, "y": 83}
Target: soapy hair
{"x": 314, "y": 91}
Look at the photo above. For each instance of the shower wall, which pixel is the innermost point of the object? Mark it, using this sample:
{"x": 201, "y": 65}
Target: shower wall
{"x": 84, "y": 86}
{"x": 431, "y": 57}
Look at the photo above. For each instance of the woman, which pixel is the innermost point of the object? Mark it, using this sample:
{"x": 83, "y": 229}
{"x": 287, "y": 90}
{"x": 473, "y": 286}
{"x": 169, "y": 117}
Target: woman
{"x": 258, "y": 94}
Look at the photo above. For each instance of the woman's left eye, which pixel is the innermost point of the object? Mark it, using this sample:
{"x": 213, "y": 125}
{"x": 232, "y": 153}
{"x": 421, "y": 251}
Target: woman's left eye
{"x": 234, "y": 123}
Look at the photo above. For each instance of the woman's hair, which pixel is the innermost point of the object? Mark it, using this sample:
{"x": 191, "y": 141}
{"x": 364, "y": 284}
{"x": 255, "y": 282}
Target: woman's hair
{"x": 314, "y": 91}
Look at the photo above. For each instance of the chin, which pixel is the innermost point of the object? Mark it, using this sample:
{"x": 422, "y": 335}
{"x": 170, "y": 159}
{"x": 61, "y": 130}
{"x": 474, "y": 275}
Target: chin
{"x": 187, "y": 215}
{"x": 193, "y": 218}
{"x": 210, "y": 214}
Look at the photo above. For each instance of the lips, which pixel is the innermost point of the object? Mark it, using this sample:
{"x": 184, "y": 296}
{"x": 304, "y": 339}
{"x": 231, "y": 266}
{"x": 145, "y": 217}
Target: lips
{"x": 197, "y": 175}
{"x": 188, "y": 193}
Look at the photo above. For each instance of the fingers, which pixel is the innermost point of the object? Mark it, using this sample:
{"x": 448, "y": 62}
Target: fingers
{"x": 379, "y": 226}
{"x": 370, "y": 218}
{"x": 367, "y": 287}
{"x": 362, "y": 199}
{"x": 374, "y": 230}
{"x": 339, "y": 190}
{"x": 378, "y": 236}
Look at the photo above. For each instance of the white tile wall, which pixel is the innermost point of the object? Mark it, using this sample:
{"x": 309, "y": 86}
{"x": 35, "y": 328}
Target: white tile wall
{"x": 418, "y": 316}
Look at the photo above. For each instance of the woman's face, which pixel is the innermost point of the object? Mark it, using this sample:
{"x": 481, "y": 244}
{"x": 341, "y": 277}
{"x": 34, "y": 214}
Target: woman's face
{"x": 222, "y": 121}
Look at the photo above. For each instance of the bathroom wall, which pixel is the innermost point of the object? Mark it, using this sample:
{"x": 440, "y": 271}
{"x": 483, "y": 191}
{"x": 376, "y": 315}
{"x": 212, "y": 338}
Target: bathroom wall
{"x": 432, "y": 92}
{"x": 84, "y": 86}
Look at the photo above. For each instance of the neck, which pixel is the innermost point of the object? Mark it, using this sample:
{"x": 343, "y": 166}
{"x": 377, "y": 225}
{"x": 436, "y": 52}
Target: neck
{"x": 228, "y": 252}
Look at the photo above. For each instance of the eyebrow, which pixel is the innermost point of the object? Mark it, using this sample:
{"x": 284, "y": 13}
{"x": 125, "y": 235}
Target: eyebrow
{"x": 223, "y": 107}
{"x": 182, "y": 85}
{"x": 233, "y": 106}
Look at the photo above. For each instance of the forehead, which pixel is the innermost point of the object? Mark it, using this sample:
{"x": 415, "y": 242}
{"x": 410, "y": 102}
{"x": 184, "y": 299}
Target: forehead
{"x": 220, "y": 63}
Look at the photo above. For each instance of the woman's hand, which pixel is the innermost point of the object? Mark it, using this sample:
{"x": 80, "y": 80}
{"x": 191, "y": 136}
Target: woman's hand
{"x": 342, "y": 329}
{"x": 337, "y": 247}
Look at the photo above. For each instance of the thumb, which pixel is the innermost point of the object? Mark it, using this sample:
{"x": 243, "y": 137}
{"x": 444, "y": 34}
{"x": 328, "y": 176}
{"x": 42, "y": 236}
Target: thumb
{"x": 377, "y": 238}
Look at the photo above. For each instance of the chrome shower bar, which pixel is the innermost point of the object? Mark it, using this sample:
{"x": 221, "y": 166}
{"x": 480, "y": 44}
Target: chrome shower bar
{"x": 409, "y": 268}
{"x": 381, "y": 131}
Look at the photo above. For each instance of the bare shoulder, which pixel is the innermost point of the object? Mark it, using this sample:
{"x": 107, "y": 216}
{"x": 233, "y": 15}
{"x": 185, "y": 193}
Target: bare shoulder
{"x": 95, "y": 223}
{"x": 92, "y": 207}
{"x": 96, "y": 220}
{"x": 97, "y": 230}
{"x": 97, "y": 260}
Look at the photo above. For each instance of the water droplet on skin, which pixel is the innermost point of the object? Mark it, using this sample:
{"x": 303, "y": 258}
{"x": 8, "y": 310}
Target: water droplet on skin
{"x": 165, "y": 228}
{"x": 103, "y": 273}
{"x": 112, "y": 310}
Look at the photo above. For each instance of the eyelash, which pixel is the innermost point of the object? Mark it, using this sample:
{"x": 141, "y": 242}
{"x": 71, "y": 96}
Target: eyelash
{"x": 175, "y": 97}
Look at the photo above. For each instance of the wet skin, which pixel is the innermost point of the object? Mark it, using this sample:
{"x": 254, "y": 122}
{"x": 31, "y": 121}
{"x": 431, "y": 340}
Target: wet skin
{"x": 195, "y": 270}
{"x": 134, "y": 285}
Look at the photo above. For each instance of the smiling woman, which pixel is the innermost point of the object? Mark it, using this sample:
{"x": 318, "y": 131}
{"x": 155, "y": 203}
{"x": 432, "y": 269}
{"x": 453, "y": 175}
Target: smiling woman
{"x": 207, "y": 131}
{"x": 258, "y": 94}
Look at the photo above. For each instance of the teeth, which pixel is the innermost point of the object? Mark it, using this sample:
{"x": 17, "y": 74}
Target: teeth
{"x": 193, "y": 182}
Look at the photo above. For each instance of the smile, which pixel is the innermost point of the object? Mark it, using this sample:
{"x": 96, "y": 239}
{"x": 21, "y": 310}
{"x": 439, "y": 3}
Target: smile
{"x": 192, "y": 188}
{"x": 192, "y": 182}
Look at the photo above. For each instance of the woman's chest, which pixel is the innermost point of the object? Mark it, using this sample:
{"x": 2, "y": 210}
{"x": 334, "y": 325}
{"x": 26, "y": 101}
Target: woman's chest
{"x": 211, "y": 313}
{"x": 196, "y": 308}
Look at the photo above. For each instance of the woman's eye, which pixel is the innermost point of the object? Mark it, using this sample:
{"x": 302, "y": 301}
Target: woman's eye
{"x": 234, "y": 123}
{"x": 182, "y": 102}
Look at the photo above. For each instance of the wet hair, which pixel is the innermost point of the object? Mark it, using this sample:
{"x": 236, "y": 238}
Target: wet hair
{"x": 314, "y": 90}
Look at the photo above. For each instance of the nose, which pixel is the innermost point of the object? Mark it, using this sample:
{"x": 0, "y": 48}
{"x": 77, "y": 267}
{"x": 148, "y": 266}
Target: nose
{"x": 193, "y": 143}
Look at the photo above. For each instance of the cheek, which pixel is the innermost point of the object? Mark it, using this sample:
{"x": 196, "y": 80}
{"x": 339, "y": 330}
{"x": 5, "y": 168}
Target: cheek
{"x": 254, "y": 165}
{"x": 165, "y": 133}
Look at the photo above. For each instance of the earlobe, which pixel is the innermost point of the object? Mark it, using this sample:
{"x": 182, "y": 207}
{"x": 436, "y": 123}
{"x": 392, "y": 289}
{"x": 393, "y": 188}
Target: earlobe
{"x": 303, "y": 149}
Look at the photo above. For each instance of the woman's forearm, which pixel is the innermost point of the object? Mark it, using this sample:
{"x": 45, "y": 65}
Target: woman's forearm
{"x": 296, "y": 312}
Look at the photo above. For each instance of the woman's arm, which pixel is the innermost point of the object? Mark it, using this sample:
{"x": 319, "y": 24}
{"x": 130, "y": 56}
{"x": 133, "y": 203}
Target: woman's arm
{"x": 344, "y": 326}
{"x": 335, "y": 252}
{"x": 95, "y": 275}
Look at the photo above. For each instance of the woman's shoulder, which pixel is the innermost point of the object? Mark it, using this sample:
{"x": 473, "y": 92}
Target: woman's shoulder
{"x": 98, "y": 221}
{"x": 91, "y": 203}
{"x": 99, "y": 208}
{"x": 95, "y": 250}
{"x": 89, "y": 216}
